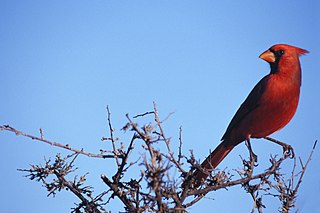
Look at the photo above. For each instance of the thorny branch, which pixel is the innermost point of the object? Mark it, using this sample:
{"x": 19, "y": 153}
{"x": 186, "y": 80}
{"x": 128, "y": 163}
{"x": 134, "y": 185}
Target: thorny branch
{"x": 165, "y": 182}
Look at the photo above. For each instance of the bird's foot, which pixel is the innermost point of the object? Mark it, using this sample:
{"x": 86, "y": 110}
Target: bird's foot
{"x": 288, "y": 150}
{"x": 253, "y": 156}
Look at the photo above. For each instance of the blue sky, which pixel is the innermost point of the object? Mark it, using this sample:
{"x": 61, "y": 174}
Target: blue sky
{"x": 63, "y": 62}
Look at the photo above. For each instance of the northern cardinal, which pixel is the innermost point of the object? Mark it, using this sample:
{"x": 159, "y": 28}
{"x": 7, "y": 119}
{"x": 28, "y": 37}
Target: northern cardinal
{"x": 269, "y": 107}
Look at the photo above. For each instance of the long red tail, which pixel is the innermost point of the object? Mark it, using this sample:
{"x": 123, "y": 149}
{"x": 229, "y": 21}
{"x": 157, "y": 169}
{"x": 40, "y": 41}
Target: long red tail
{"x": 212, "y": 161}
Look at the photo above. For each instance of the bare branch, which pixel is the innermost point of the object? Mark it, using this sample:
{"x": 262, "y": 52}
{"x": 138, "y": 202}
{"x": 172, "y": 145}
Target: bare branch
{"x": 113, "y": 141}
{"x": 167, "y": 141}
{"x": 67, "y": 146}
{"x": 143, "y": 114}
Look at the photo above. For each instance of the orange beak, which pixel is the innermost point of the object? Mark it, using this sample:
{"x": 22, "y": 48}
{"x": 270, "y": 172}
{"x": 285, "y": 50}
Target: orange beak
{"x": 268, "y": 56}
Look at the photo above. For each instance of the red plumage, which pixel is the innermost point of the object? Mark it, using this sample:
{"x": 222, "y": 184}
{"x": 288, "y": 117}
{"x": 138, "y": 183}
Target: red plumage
{"x": 268, "y": 108}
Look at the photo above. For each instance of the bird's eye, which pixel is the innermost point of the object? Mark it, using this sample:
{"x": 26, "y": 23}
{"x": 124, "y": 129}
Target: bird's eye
{"x": 281, "y": 52}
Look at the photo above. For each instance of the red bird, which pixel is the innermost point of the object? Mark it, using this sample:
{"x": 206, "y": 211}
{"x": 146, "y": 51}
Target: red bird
{"x": 268, "y": 108}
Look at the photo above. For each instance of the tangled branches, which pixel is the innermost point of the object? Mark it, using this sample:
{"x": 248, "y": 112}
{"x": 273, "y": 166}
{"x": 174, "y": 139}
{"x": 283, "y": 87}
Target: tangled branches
{"x": 165, "y": 182}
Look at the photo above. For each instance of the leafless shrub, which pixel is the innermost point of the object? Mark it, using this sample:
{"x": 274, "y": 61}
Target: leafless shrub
{"x": 165, "y": 183}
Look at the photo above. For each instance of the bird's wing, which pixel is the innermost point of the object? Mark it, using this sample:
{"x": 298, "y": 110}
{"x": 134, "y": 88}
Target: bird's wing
{"x": 251, "y": 102}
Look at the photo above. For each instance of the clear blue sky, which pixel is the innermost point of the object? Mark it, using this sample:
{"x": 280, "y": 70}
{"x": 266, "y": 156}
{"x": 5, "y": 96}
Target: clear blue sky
{"x": 63, "y": 62}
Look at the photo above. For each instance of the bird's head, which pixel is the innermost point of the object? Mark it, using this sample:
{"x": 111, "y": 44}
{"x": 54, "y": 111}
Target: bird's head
{"x": 281, "y": 56}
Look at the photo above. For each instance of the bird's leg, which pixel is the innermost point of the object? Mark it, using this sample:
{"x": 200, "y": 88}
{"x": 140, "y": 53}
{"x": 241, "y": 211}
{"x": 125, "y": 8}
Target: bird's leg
{"x": 253, "y": 157}
{"x": 287, "y": 149}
